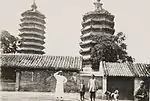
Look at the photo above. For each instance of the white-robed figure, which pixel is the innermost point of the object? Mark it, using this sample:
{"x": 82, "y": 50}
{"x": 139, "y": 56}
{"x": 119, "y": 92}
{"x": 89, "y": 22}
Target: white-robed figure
{"x": 60, "y": 80}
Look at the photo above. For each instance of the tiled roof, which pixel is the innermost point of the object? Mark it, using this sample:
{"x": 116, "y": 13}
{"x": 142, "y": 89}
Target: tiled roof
{"x": 117, "y": 69}
{"x": 142, "y": 69}
{"x": 41, "y": 61}
{"x": 126, "y": 69}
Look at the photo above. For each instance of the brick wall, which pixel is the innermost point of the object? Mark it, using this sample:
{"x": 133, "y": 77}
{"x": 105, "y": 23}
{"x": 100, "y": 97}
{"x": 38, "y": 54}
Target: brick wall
{"x": 7, "y": 86}
{"x": 38, "y": 81}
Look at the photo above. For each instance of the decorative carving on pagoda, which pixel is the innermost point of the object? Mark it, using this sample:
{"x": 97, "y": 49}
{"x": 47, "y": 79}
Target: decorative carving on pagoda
{"x": 32, "y": 31}
{"x": 96, "y": 22}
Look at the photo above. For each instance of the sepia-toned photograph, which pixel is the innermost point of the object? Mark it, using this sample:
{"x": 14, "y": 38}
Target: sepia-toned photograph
{"x": 74, "y": 50}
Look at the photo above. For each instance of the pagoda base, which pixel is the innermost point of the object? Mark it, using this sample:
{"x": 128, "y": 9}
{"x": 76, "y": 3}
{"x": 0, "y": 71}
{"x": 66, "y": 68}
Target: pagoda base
{"x": 88, "y": 71}
{"x": 87, "y": 68}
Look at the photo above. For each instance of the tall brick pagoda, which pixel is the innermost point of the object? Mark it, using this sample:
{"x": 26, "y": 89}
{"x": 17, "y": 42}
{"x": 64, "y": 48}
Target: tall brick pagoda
{"x": 32, "y": 31}
{"x": 95, "y": 22}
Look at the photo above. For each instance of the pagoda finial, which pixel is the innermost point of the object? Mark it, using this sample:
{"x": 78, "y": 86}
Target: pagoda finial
{"x": 98, "y": 5}
{"x": 34, "y": 6}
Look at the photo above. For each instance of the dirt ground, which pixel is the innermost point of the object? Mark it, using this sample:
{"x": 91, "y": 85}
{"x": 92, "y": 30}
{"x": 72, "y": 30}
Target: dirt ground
{"x": 38, "y": 96}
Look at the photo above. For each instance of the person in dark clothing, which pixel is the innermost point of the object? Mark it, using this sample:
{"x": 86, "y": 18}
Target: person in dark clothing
{"x": 141, "y": 93}
{"x": 82, "y": 90}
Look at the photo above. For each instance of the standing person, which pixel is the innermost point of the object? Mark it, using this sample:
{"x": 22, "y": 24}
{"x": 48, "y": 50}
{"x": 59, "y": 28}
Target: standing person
{"x": 82, "y": 90}
{"x": 60, "y": 80}
{"x": 141, "y": 93}
{"x": 92, "y": 87}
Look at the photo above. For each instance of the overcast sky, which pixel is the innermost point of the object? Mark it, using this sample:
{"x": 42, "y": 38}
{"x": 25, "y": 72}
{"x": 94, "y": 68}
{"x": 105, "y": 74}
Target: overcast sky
{"x": 63, "y": 18}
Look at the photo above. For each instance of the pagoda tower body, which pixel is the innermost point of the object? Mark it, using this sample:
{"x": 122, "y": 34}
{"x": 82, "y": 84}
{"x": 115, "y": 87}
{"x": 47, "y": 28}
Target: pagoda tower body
{"x": 97, "y": 22}
{"x": 32, "y": 31}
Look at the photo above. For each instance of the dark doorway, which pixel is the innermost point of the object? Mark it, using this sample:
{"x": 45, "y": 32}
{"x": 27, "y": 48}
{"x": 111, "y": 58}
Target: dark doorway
{"x": 125, "y": 85}
{"x": 147, "y": 83}
{"x": 8, "y": 79}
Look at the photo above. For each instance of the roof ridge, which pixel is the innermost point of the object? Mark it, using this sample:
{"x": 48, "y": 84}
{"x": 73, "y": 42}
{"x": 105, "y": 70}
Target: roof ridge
{"x": 17, "y": 54}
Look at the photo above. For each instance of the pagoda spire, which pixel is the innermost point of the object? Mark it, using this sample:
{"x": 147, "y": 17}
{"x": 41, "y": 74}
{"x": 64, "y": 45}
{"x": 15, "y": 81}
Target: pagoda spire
{"x": 34, "y": 6}
{"x": 98, "y": 5}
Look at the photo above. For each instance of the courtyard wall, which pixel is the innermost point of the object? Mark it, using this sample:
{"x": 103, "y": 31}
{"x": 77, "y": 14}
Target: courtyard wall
{"x": 44, "y": 81}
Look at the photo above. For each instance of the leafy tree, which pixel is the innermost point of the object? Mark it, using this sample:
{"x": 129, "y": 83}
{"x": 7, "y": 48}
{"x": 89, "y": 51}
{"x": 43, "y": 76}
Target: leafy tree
{"x": 8, "y": 42}
{"x": 109, "y": 48}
